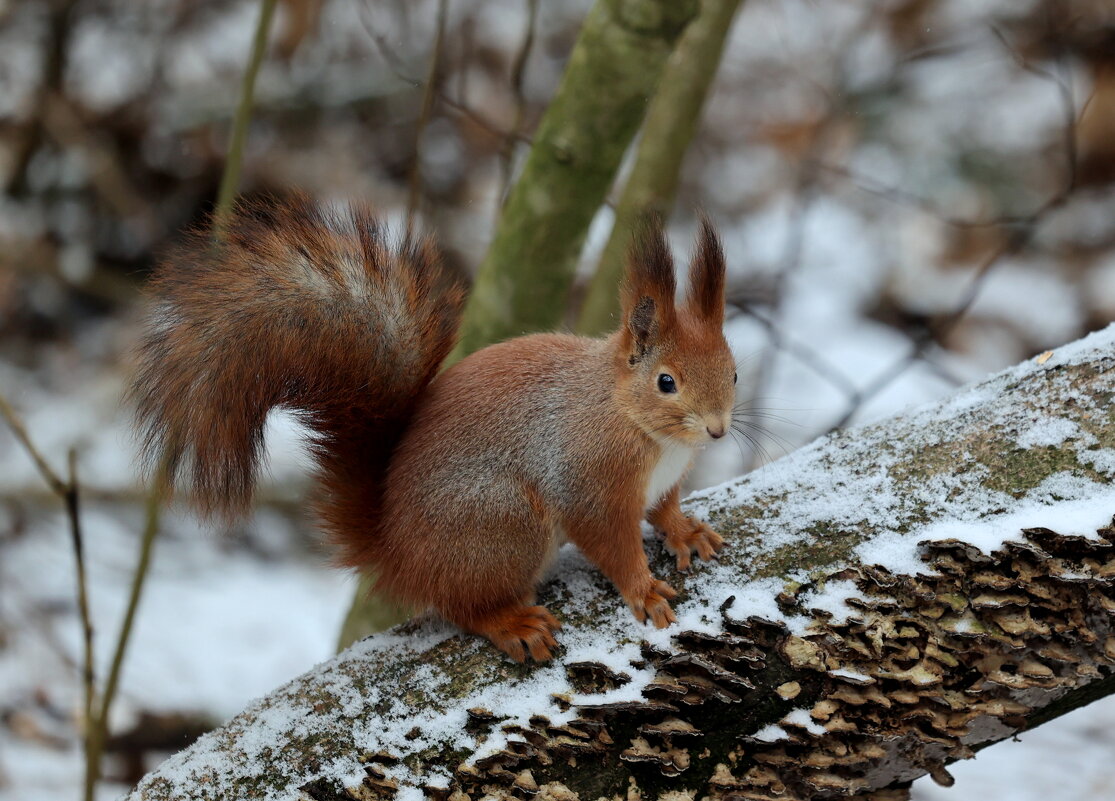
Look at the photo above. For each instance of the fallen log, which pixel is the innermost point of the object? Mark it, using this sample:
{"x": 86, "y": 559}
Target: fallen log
{"x": 892, "y": 598}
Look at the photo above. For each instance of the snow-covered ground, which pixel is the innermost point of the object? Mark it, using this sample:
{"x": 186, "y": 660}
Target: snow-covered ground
{"x": 217, "y": 627}
{"x": 223, "y": 619}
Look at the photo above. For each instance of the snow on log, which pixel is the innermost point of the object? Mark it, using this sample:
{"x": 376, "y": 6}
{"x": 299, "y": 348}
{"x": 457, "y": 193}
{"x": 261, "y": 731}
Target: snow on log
{"x": 893, "y": 598}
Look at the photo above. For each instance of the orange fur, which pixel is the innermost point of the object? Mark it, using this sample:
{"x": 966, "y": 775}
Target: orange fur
{"x": 455, "y": 488}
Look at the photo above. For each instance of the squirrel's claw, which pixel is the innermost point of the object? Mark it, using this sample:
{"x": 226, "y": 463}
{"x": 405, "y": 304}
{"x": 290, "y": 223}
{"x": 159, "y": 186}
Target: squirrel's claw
{"x": 699, "y": 538}
{"x": 654, "y": 603}
{"x": 522, "y": 630}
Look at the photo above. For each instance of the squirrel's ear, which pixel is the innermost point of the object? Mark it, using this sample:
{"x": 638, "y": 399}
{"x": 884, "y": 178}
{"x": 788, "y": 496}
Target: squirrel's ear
{"x": 706, "y": 275}
{"x": 648, "y": 292}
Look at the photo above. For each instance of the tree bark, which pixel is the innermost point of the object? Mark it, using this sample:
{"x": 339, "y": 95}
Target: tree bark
{"x": 522, "y": 285}
{"x": 892, "y": 598}
{"x": 670, "y": 124}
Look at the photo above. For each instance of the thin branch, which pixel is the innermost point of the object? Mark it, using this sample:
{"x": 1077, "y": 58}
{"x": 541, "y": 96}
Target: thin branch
{"x": 483, "y": 122}
{"x": 89, "y": 681}
{"x": 107, "y": 174}
{"x": 394, "y": 61}
{"x": 20, "y": 430}
{"x": 806, "y": 355}
{"x": 61, "y": 22}
{"x": 150, "y": 529}
{"x": 230, "y": 181}
{"x": 943, "y": 326}
{"x": 1069, "y": 140}
{"x": 899, "y": 196}
{"x": 467, "y": 36}
{"x": 68, "y": 492}
{"x": 518, "y": 74}
{"x": 522, "y": 56}
{"x": 398, "y": 69}
{"x": 139, "y": 576}
{"x": 414, "y": 194}
{"x": 1068, "y": 106}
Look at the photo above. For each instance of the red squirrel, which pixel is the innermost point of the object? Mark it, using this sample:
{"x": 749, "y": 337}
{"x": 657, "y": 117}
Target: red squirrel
{"x": 455, "y": 488}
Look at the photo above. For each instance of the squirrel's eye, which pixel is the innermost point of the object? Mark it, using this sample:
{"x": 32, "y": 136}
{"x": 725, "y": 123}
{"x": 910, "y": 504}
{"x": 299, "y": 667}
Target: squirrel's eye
{"x": 666, "y": 383}
{"x": 735, "y": 378}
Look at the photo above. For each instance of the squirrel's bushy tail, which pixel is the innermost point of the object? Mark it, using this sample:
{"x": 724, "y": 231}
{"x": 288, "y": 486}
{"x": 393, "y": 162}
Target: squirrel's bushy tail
{"x": 297, "y": 307}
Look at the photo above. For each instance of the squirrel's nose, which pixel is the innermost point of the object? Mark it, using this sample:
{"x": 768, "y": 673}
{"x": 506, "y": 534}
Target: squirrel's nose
{"x": 715, "y": 433}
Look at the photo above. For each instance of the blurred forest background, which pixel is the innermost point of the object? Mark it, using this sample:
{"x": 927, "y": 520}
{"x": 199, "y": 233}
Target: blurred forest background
{"x": 912, "y": 193}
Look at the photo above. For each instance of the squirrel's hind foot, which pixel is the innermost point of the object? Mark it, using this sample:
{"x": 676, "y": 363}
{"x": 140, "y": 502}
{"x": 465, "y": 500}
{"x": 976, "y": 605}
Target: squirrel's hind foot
{"x": 519, "y": 630}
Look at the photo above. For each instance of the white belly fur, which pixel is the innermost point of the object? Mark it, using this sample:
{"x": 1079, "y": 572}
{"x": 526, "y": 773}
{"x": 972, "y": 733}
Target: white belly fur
{"x": 673, "y": 462}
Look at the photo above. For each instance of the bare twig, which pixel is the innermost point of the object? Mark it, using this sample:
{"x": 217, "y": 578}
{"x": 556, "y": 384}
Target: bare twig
{"x": 518, "y": 73}
{"x": 398, "y": 69}
{"x": 519, "y": 64}
{"x": 20, "y": 430}
{"x": 394, "y": 61}
{"x": 107, "y": 174}
{"x": 67, "y": 491}
{"x": 467, "y": 36}
{"x": 89, "y": 681}
{"x": 483, "y": 122}
{"x": 941, "y": 327}
{"x": 898, "y": 196}
{"x": 230, "y": 181}
{"x": 60, "y": 24}
{"x": 1068, "y": 107}
{"x": 139, "y": 576}
{"x": 806, "y": 355}
{"x": 1069, "y": 140}
{"x": 429, "y": 92}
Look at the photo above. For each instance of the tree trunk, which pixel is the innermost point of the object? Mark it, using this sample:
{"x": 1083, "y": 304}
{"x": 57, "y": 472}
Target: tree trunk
{"x": 892, "y": 598}
{"x": 612, "y": 73}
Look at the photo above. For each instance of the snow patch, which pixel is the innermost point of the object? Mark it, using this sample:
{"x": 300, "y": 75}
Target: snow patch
{"x": 802, "y": 718}
{"x": 1048, "y": 431}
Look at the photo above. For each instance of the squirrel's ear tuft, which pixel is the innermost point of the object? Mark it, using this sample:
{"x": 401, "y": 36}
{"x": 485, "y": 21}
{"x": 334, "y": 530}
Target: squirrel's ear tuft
{"x": 648, "y": 293}
{"x": 706, "y": 275}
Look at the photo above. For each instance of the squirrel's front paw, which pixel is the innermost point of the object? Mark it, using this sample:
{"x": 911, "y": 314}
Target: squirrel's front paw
{"x": 696, "y": 536}
{"x": 654, "y": 602}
